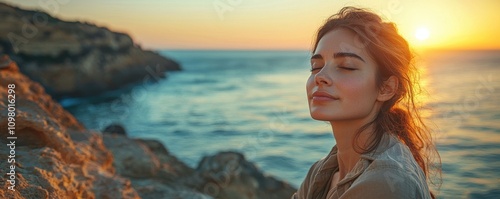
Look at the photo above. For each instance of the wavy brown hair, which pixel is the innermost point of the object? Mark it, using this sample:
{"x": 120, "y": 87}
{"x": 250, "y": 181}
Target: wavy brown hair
{"x": 400, "y": 115}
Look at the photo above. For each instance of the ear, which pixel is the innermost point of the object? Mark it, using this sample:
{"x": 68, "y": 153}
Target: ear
{"x": 388, "y": 89}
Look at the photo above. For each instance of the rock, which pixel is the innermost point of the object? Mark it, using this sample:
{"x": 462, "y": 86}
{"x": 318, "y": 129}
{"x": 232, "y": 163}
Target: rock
{"x": 132, "y": 162}
{"x": 153, "y": 171}
{"x": 115, "y": 129}
{"x": 55, "y": 157}
{"x": 76, "y": 59}
{"x": 31, "y": 95}
{"x": 5, "y": 62}
{"x": 172, "y": 167}
{"x": 152, "y": 189}
{"x": 228, "y": 175}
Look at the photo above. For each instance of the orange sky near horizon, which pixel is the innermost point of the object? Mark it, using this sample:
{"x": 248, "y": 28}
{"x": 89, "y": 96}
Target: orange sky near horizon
{"x": 277, "y": 24}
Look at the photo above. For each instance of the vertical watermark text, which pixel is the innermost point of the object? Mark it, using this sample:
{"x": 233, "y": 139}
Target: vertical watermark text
{"x": 11, "y": 136}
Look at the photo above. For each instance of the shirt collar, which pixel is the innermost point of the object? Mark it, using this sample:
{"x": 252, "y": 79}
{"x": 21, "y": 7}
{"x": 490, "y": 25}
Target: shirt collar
{"x": 387, "y": 141}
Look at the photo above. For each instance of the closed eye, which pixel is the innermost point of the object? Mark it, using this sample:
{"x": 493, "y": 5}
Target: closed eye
{"x": 347, "y": 68}
{"x": 315, "y": 69}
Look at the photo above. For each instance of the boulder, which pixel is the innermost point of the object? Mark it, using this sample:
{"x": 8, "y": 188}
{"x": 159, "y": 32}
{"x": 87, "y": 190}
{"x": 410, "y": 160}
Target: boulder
{"x": 229, "y": 175}
{"x": 154, "y": 172}
{"x": 115, "y": 129}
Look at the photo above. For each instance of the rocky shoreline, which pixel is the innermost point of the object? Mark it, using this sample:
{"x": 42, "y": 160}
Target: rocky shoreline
{"x": 75, "y": 59}
{"x": 49, "y": 154}
{"x": 56, "y": 157}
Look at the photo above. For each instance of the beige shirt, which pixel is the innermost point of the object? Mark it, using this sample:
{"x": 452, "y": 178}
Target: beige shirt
{"x": 390, "y": 171}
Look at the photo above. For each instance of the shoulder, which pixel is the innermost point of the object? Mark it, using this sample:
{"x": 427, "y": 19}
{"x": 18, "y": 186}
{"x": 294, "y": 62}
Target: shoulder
{"x": 387, "y": 183}
{"x": 398, "y": 159}
{"x": 392, "y": 174}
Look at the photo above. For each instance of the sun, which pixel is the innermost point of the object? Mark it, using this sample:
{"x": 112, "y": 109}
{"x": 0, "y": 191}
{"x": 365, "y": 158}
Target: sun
{"x": 422, "y": 33}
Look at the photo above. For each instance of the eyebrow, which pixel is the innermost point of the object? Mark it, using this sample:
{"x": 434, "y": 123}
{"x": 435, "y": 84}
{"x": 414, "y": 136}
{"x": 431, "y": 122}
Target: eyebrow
{"x": 316, "y": 56}
{"x": 339, "y": 54}
{"x": 345, "y": 54}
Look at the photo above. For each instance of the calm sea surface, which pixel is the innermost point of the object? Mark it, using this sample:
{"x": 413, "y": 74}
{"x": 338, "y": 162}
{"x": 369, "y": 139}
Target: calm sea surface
{"x": 255, "y": 102}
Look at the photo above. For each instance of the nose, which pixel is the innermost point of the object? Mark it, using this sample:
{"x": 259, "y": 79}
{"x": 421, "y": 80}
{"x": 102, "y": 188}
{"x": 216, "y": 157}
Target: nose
{"x": 322, "y": 78}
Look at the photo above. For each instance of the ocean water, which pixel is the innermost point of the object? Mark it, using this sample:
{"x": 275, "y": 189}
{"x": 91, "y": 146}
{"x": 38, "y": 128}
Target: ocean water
{"x": 255, "y": 102}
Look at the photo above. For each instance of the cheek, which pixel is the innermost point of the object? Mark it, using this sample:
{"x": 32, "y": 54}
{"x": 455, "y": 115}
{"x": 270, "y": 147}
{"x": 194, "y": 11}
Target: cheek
{"x": 359, "y": 89}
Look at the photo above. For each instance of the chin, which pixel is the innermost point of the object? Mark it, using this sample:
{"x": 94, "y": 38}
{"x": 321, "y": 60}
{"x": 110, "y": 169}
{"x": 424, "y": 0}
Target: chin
{"x": 318, "y": 115}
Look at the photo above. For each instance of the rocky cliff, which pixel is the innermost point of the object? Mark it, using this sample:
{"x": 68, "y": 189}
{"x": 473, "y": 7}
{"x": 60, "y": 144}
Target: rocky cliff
{"x": 54, "y": 156}
{"x": 75, "y": 58}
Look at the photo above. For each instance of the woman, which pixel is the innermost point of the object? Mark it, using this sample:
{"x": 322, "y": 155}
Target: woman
{"x": 363, "y": 82}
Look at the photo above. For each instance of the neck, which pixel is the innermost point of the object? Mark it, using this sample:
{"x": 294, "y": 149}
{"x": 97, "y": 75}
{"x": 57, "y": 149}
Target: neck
{"x": 344, "y": 133}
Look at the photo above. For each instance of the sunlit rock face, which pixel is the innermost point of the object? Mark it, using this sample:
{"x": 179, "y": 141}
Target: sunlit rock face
{"x": 55, "y": 156}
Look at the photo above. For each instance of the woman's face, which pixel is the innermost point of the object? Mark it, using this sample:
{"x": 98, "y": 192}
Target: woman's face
{"x": 342, "y": 82}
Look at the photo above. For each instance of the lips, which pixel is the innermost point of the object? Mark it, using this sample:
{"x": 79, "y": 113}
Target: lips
{"x": 321, "y": 96}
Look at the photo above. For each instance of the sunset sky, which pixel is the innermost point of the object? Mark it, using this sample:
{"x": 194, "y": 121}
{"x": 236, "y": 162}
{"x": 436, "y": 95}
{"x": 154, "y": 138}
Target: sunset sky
{"x": 277, "y": 24}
